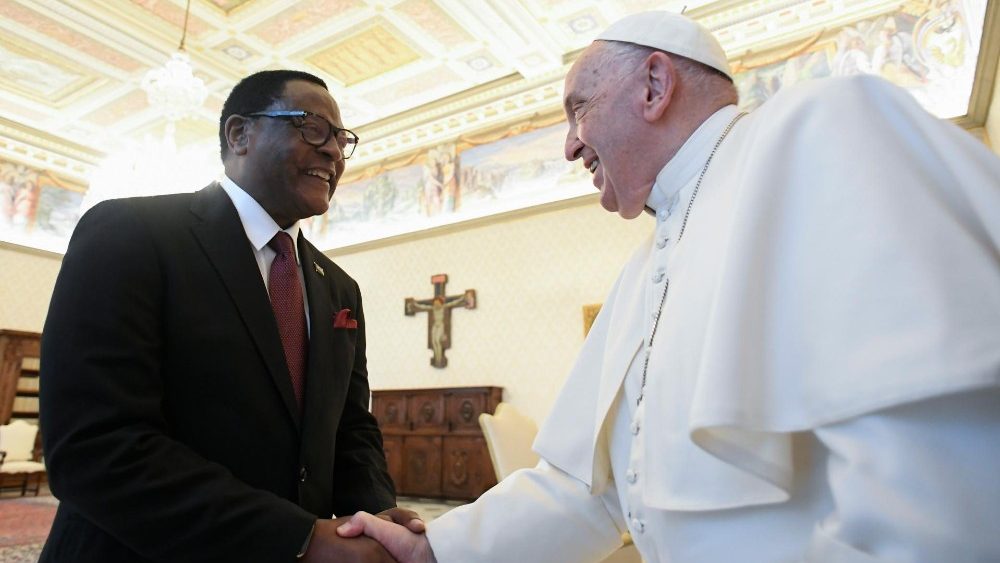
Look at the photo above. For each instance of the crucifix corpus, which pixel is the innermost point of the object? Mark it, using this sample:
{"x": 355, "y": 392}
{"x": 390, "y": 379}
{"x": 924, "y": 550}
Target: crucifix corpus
{"x": 438, "y": 310}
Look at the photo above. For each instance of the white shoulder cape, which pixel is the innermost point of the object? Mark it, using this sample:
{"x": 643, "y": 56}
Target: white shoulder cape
{"x": 842, "y": 258}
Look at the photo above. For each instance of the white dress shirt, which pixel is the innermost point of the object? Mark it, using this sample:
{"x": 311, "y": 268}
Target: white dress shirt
{"x": 260, "y": 228}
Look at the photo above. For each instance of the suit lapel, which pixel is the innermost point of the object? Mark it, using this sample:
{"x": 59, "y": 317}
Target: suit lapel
{"x": 323, "y": 351}
{"x": 224, "y": 241}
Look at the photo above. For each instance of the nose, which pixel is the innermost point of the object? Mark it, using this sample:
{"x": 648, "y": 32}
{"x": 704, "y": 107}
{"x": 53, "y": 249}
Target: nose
{"x": 574, "y": 146}
{"x": 332, "y": 148}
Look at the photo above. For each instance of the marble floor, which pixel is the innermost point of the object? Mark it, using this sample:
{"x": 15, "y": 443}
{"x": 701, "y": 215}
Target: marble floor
{"x": 22, "y": 543}
{"x": 428, "y": 509}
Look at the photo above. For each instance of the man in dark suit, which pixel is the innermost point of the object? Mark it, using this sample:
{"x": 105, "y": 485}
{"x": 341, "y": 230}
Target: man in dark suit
{"x": 205, "y": 392}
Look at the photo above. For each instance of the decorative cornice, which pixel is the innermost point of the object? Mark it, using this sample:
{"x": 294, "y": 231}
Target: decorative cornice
{"x": 21, "y": 144}
{"x": 470, "y": 114}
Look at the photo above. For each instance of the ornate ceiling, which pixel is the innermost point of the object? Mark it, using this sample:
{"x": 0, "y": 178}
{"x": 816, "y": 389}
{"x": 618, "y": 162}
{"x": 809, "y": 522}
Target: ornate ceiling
{"x": 406, "y": 73}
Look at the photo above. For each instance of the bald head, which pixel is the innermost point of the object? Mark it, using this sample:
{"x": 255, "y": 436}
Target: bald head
{"x": 630, "y": 108}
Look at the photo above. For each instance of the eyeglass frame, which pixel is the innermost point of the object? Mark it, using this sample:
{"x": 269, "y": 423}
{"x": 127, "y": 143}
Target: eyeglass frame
{"x": 334, "y": 130}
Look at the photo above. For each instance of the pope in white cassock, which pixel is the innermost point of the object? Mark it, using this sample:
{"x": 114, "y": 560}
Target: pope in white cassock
{"x": 802, "y": 363}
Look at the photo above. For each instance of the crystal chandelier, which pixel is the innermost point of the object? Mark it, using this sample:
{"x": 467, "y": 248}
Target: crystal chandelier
{"x": 173, "y": 88}
{"x": 151, "y": 166}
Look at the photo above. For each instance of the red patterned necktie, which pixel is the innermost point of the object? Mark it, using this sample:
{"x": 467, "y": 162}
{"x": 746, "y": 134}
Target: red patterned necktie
{"x": 289, "y": 311}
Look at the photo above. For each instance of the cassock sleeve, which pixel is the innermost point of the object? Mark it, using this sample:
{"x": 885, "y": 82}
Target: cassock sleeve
{"x": 535, "y": 515}
{"x": 914, "y": 483}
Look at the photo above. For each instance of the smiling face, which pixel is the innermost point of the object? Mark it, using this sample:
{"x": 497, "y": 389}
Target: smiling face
{"x": 290, "y": 178}
{"x": 604, "y": 111}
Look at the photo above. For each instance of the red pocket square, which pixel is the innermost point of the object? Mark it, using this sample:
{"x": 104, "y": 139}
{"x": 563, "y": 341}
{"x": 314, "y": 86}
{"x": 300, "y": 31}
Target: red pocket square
{"x": 344, "y": 320}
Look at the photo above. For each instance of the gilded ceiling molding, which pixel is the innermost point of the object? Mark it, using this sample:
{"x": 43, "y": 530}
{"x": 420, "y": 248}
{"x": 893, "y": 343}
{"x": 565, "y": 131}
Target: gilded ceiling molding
{"x": 46, "y": 152}
{"x": 509, "y": 87}
{"x": 490, "y": 135}
{"x": 535, "y": 122}
{"x": 775, "y": 55}
{"x": 24, "y": 153}
{"x": 542, "y": 99}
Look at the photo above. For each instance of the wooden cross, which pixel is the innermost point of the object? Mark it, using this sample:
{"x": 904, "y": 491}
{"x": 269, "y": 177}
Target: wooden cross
{"x": 438, "y": 310}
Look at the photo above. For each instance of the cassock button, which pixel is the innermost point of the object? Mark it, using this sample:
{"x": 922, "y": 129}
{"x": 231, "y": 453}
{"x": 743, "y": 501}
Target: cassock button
{"x": 662, "y": 242}
{"x": 303, "y": 474}
{"x": 638, "y": 525}
{"x": 631, "y": 476}
{"x": 634, "y": 427}
{"x": 658, "y": 277}
{"x": 662, "y": 214}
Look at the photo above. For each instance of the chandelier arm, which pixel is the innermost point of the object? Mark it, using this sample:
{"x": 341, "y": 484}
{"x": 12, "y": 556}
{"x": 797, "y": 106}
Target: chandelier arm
{"x": 187, "y": 12}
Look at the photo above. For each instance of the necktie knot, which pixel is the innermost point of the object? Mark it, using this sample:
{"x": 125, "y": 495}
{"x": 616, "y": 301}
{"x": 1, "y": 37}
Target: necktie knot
{"x": 282, "y": 243}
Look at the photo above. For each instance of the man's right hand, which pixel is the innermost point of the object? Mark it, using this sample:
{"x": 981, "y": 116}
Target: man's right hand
{"x": 327, "y": 546}
{"x": 404, "y": 545}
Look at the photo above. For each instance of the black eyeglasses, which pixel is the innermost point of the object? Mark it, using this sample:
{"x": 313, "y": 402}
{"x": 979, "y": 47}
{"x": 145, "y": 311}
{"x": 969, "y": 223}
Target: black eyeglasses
{"x": 315, "y": 129}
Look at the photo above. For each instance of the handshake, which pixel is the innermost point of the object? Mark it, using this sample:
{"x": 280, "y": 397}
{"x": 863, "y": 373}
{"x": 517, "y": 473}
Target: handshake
{"x": 396, "y": 534}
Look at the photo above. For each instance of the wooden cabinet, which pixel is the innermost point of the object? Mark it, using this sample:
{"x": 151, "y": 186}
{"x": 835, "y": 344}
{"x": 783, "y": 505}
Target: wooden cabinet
{"x": 19, "y": 369}
{"x": 19, "y": 352}
{"x": 432, "y": 440}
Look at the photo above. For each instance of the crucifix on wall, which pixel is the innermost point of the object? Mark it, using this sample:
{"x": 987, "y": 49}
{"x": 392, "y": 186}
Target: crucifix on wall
{"x": 438, "y": 309}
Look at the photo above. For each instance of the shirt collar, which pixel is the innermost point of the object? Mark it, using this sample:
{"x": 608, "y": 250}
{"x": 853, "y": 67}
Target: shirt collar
{"x": 680, "y": 170}
{"x": 260, "y": 227}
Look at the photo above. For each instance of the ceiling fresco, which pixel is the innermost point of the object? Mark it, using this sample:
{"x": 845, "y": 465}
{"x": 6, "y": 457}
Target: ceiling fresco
{"x": 410, "y": 75}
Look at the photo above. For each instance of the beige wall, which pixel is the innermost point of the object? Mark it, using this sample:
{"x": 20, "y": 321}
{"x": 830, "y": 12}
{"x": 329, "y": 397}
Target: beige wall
{"x": 27, "y": 278}
{"x": 533, "y": 272}
{"x": 532, "y": 275}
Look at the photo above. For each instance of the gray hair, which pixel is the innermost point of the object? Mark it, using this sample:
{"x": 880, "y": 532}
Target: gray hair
{"x": 622, "y": 58}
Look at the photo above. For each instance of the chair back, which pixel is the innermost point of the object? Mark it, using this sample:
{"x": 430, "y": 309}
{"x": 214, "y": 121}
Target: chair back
{"x": 509, "y": 436}
{"x": 18, "y": 440}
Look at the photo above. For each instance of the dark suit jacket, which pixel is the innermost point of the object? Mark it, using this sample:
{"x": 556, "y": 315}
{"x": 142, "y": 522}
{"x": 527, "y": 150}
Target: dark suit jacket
{"x": 170, "y": 426}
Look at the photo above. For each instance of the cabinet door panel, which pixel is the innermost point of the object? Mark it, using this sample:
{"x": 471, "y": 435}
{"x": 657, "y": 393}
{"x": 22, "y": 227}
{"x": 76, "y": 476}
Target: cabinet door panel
{"x": 390, "y": 411}
{"x": 464, "y": 410}
{"x": 393, "y": 448}
{"x": 468, "y": 472}
{"x": 426, "y": 411}
{"x": 422, "y": 463}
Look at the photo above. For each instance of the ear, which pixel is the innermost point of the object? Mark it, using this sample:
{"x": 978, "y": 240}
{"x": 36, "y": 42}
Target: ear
{"x": 659, "y": 82}
{"x": 237, "y": 134}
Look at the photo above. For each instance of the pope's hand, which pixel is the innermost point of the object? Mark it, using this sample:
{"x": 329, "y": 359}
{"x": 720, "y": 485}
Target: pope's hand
{"x": 402, "y": 543}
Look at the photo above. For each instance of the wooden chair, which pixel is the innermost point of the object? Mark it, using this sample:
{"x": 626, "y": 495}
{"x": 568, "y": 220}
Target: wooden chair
{"x": 509, "y": 435}
{"x": 19, "y": 465}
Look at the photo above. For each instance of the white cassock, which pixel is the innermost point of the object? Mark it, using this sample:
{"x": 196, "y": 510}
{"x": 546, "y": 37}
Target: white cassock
{"x": 824, "y": 383}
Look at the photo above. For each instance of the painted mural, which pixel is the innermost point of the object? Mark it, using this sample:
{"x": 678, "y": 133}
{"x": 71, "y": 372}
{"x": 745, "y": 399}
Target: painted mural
{"x": 36, "y": 208}
{"x": 929, "y": 48}
{"x": 445, "y": 185}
